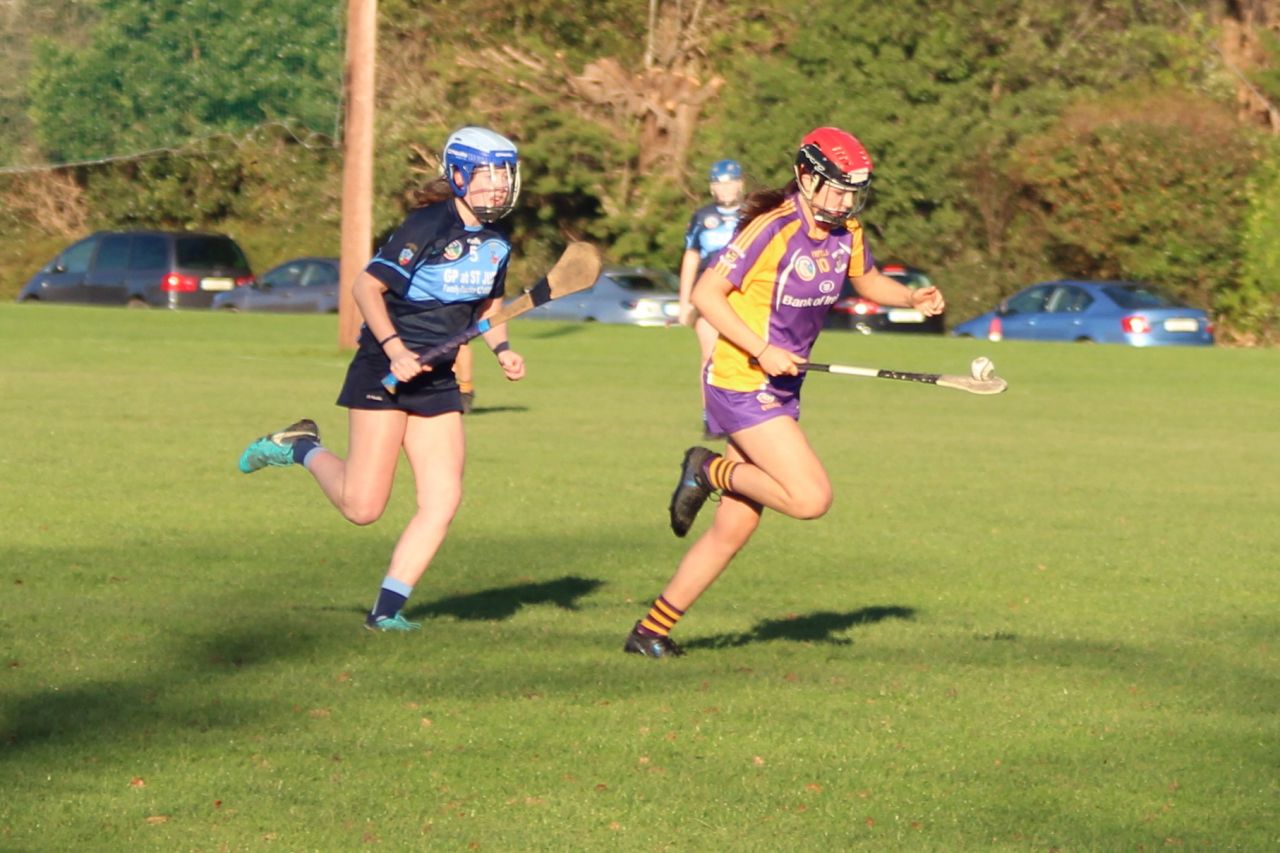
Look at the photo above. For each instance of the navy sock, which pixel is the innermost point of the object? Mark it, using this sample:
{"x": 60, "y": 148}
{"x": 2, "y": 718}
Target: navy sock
{"x": 303, "y": 446}
{"x": 391, "y": 598}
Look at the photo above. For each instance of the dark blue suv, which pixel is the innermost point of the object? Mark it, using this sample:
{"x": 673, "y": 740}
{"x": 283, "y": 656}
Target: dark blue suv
{"x": 142, "y": 269}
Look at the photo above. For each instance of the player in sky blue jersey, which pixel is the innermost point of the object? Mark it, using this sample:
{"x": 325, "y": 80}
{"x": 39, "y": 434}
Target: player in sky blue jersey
{"x": 441, "y": 271}
{"x": 710, "y": 229}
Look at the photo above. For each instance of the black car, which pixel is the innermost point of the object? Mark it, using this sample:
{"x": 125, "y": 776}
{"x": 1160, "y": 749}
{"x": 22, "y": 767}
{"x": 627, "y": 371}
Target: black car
{"x": 142, "y": 269}
{"x": 304, "y": 285}
{"x": 851, "y": 311}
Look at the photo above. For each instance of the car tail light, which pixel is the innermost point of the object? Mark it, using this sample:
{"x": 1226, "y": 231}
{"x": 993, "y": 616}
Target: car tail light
{"x": 856, "y": 305}
{"x": 175, "y": 283}
{"x": 1135, "y": 324}
{"x": 244, "y": 280}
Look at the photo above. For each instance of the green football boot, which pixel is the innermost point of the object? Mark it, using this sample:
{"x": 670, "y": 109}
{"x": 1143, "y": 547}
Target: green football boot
{"x": 277, "y": 447}
{"x": 390, "y": 623}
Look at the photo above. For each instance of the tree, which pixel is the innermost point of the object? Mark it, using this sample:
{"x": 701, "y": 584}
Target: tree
{"x": 159, "y": 73}
{"x": 1142, "y": 187}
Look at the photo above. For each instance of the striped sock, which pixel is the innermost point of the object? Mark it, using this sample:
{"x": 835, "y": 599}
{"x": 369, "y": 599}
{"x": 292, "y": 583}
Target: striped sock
{"x": 720, "y": 473}
{"x": 662, "y": 617}
{"x": 391, "y": 598}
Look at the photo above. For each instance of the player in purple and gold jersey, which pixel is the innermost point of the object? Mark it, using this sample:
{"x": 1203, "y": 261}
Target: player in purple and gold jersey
{"x": 766, "y": 295}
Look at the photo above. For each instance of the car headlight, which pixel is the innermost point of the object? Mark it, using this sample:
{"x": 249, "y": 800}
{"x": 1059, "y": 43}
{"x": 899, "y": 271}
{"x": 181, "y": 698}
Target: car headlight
{"x": 644, "y": 307}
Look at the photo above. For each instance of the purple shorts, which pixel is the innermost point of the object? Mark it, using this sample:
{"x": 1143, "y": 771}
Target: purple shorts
{"x": 731, "y": 411}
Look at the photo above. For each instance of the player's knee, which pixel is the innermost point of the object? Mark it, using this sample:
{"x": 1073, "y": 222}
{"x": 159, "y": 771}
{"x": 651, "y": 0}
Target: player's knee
{"x": 362, "y": 513}
{"x": 812, "y": 505}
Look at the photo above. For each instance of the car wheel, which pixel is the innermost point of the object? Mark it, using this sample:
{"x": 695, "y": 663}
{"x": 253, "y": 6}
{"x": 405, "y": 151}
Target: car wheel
{"x": 1083, "y": 340}
{"x": 136, "y": 302}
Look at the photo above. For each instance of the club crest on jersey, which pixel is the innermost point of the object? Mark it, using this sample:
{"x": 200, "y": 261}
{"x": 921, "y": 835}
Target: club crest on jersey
{"x": 805, "y": 268}
{"x": 711, "y": 222}
{"x": 406, "y": 254}
{"x": 453, "y": 251}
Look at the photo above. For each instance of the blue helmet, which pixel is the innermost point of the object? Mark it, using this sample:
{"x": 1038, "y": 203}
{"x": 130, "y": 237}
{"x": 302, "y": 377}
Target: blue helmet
{"x": 471, "y": 148}
{"x": 725, "y": 170}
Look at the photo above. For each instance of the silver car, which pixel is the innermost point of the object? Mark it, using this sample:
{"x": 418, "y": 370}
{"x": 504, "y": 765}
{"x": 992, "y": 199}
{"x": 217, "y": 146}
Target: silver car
{"x": 629, "y": 295}
{"x": 306, "y": 285}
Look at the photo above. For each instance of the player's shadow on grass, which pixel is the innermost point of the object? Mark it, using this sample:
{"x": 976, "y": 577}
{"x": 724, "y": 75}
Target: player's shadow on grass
{"x": 504, "y": 601}
{"x": 821, "y": 627}
{"x": 495, "y": 410}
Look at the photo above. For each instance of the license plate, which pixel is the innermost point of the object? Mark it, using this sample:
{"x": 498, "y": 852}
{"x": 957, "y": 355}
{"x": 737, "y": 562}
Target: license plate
{"x": 213, "y": 283}
{"x": 905, "y": 315}
{"x": 1181, "y": 324}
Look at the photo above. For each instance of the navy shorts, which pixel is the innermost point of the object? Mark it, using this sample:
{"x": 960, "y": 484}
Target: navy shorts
{"x": 427, "y": 394}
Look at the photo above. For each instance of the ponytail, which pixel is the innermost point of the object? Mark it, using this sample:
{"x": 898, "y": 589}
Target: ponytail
{"x": 763, "y": 201}
{"x": 435, "y": 191}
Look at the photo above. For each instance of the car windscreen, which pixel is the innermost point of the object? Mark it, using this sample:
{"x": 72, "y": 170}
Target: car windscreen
{"x": 210, "y": 253}
{"x": 646, "y": 281}
{"x": 1136, "y": 296}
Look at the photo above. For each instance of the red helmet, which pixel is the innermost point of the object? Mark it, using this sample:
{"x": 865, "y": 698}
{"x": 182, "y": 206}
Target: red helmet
{"x": 837, "y": 157}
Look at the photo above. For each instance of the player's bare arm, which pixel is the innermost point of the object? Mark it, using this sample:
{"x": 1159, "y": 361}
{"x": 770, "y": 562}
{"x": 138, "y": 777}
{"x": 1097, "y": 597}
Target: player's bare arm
{"x": 511, "y": 362}
{"x": 368, "y": 293}
{"x": 878, "y": 287}
{"x": 711, "y": 298}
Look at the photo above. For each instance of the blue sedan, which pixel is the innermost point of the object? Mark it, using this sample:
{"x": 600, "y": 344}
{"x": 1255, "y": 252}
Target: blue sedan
{"x": 1105, "y": 312}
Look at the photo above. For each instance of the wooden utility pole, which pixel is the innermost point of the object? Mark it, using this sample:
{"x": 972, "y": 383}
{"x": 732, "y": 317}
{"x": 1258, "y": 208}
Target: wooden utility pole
{"x": 357, "y": 161}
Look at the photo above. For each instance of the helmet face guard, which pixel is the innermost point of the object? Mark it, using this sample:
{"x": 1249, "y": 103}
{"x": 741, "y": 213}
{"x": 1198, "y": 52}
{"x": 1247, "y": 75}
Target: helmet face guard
{"x": 477, "y": 148}
{"x": 834, "y": 157}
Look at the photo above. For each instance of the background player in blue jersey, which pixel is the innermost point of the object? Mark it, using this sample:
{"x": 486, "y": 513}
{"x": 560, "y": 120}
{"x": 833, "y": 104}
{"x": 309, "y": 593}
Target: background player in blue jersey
{"x": 710, "y": 229}
{"x": 443, "y": 269}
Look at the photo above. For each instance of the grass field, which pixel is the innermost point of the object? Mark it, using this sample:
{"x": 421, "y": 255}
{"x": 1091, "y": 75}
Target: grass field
{"x": 1044, "y": 621}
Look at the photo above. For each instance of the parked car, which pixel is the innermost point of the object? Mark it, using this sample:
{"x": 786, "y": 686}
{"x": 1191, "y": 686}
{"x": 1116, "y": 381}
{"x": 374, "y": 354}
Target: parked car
{"x": 634, "y": 295}
{"x": 1105, "y": 312}
{"x": 308, "y": 285}
{"x": 142, "y": 269}
{"x": 851, "y": 311}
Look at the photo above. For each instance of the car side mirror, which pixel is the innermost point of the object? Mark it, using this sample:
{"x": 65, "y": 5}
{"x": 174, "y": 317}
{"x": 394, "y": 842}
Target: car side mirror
{"x": 57, "y": 266}
{"x": 1003, "y": 309}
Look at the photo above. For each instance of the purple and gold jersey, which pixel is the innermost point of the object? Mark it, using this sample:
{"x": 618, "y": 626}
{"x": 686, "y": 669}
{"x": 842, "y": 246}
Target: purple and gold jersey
{"x": 786, "y": 282}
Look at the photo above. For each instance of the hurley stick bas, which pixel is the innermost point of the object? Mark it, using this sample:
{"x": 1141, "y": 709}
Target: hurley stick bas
{"x": 982, "y": 377}
{"x": 577, "y": 269}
